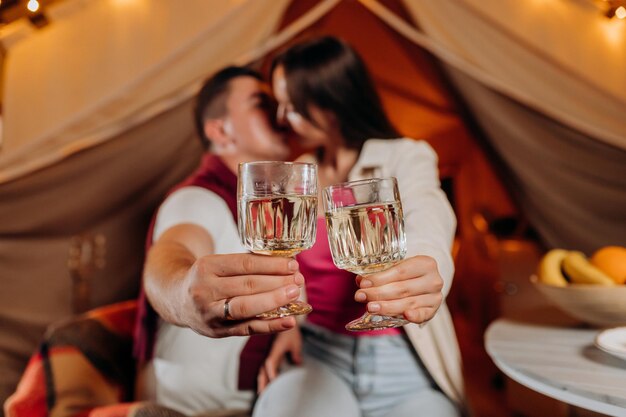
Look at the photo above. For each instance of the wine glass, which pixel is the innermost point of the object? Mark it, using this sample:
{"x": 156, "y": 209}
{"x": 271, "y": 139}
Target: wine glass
{"x": 366, "y": 234}
{"x": 277, "y": 214}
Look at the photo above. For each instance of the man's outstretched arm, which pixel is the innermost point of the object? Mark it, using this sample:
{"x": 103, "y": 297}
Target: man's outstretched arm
{"x": 188, "y": 285}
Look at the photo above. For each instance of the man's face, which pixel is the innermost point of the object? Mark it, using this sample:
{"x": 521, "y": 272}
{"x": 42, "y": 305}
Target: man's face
{"x": 249, "y": 121}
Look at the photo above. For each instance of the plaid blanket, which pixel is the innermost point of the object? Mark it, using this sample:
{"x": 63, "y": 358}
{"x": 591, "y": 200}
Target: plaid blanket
{"x": 84, "y": 368}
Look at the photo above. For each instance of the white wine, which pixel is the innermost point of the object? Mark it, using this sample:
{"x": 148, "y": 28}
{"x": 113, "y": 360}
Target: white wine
{"x": 278, "y": 225}
{"x": 277, "y": 214}
{"x": 366, "y": 238}
{"x": 366, "y": 234}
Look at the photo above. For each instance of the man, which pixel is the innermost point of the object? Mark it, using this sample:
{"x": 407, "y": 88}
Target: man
{"x": 195, "y": 275}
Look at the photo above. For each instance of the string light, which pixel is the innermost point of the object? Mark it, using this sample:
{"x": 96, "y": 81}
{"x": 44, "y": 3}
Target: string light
{"x": 33, "y": 5}
{"x": 612, "y": 8}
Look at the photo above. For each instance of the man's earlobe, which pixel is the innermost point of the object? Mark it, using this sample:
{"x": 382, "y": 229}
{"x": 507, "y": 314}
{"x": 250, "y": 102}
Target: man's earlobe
{"x": 214, "y": 130}
{"x": 220, "y": 132}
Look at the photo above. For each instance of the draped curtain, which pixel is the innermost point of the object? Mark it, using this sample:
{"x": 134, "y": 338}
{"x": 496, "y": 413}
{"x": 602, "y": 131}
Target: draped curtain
{"x": 564, "y": 60}
{"x": 109, "y": 65}
{"x": 551, "y": 98}
{"x": 105, "y": 65}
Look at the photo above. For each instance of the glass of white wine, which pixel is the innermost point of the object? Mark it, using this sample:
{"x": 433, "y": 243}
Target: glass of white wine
{"x": 366, "y": 234}
{"x": 277, "y": 214}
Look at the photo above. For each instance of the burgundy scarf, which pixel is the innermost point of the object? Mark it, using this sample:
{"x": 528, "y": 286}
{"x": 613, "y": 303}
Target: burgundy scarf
{"x": 215, "y": 176}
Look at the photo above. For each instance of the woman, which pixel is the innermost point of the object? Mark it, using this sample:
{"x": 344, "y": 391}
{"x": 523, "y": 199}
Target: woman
{"x": 326, "y": 95}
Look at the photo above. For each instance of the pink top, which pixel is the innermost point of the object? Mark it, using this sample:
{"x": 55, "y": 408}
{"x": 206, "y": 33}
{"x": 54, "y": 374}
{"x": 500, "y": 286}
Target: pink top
{"x": 330, "y": 290}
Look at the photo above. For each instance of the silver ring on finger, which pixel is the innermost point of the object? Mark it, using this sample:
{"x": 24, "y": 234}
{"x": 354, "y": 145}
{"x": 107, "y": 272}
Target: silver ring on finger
{"x": 227, "y": 315}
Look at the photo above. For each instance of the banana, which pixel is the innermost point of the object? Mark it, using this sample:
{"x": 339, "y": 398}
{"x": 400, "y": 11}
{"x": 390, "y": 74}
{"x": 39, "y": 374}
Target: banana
{"x": 581, "y": 271}
{"x": 549, "y": 270}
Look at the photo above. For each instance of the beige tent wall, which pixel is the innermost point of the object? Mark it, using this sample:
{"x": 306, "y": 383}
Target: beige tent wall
{"x": 582, "y": 87}
{"x": 109, "y": 65}
{"x": 551, "y": 99}
{"x": 571, "y": 188}
{"x": 574, "y": 37}
{"x": 100, "y": 200}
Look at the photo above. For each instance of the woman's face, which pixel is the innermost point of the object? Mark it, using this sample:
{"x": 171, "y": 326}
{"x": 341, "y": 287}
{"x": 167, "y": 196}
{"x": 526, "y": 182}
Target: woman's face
{"x": 312, "y": 135}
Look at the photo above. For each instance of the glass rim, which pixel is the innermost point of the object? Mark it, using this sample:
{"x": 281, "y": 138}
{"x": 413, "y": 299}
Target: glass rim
{"x": 241, "y": 164}
{"x": 359, "y": 182}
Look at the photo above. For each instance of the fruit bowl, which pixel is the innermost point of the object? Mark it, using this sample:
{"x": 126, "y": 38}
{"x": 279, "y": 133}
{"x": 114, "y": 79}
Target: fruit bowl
{"x": 603, "y": 306}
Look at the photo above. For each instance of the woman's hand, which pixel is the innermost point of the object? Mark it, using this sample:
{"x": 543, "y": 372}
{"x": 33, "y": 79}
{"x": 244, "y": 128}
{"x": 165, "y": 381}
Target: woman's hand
{"x": 411, "y": 288}
{"x": 287, "y": 342}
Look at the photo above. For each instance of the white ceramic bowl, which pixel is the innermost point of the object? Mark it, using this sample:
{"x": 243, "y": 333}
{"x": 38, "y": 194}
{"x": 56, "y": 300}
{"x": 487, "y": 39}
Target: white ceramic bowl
{"x": 594, "y": 304}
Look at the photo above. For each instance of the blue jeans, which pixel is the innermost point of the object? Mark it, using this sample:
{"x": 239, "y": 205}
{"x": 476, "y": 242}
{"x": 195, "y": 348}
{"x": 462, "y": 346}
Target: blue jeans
{"x": 371, "y": 376}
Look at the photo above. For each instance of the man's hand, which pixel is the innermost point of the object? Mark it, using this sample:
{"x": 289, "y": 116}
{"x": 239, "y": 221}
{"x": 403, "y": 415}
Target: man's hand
{"x": 286, "y": 343}
{"x": 411, "y": 288}
{"x": 252, "y": 284}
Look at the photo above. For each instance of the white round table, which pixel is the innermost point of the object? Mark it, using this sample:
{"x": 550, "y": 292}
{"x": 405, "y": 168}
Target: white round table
{"x": 560, "y": 362}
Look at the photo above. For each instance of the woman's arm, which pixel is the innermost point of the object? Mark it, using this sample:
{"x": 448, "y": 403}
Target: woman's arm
{"x": 416, "y": 287}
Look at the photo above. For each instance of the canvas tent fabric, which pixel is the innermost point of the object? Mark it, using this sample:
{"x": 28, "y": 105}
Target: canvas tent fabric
{"x": 96, "y": 122}
{"x": 106, "y": 193}
{"x": 571, "y": 187}
{"x": 201, "y": 34}
{"x": 93, "y": 72}
{"x": 582, "y": 87}
{"x": 576, "y": 77}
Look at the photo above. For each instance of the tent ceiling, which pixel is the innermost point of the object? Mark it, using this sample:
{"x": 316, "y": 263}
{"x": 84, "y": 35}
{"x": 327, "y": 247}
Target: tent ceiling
{"x": 106, "y": 65}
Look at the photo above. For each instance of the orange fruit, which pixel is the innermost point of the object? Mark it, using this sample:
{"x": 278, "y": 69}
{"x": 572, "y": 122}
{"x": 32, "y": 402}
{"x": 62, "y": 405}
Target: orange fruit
{"x": 612, "y": 261}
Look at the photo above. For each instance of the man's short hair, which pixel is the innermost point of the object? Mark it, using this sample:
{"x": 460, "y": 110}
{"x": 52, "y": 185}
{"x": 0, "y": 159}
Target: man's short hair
{"x": 211, "y": 99}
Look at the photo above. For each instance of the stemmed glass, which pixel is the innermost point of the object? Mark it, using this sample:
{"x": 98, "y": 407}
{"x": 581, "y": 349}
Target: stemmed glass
{"x": 277, "y": 214}
{"x": 366, "y": 234}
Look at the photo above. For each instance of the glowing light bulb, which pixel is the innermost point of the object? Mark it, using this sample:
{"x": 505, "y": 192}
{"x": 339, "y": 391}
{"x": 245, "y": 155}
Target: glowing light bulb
{"x": 620, "y": 12}
{"x": 33, "y": 5}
